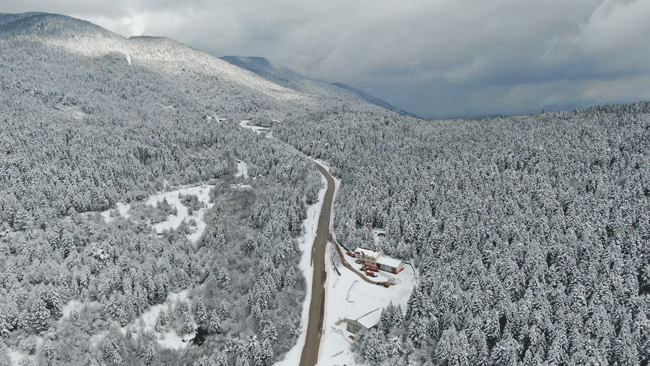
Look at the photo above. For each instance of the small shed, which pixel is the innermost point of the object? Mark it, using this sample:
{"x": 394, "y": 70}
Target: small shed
{"x": 389, "y": 264}
{"x": 363, "y": 322}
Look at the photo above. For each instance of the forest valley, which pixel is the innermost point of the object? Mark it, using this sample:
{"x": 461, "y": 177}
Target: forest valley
{"x": 529, "y": 233}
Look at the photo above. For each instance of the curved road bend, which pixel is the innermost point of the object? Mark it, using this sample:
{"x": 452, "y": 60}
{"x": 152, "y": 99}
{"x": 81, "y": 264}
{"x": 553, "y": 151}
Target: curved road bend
{"x": 309, "y": 355}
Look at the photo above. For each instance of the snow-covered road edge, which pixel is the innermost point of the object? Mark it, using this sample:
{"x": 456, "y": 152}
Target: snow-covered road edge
{"x": 337, "y": 184}
{"x": 305, "y": 244}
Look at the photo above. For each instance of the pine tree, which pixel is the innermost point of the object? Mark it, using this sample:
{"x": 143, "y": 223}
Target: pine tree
{"x": 373, "y": 349}
{"x": 453, "y": 348}
{"x": 200, "y": 314}
{"x": 214, "y": 322}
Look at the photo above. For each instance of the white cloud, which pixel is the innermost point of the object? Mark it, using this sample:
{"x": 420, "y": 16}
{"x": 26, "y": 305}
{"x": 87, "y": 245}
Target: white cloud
{"x": 136, "y": 25}
{"x": 617, "y": 31}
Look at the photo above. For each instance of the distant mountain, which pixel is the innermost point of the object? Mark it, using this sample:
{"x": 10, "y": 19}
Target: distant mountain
{"x": 290, "y": 79}
{"x": 277, "y": 74}
{"x": 374, "y": 100}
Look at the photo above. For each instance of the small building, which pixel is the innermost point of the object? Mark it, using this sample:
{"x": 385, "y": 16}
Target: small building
{"x": 379, "y": 260}
{"x": 363, "y": 322}
{"x": 389, "y": 264}
{"x": 367, "y": 255}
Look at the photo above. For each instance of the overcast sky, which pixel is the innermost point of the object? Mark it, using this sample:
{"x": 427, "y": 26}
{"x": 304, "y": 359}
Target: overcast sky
{"x": 435, "y": 58}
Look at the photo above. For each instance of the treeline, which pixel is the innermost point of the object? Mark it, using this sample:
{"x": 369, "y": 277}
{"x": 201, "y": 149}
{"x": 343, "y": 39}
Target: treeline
{"x": 530, "y": 234}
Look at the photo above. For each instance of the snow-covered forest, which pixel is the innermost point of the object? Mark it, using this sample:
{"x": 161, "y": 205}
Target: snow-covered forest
{"x": 530, "y": 233}
{"x": 79, "y": 134}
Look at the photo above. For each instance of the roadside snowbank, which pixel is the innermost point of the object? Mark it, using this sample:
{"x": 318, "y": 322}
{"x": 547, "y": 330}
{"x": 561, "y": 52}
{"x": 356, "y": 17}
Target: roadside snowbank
{"x": 305, "y": 244}
{"x": 337, "y": 184}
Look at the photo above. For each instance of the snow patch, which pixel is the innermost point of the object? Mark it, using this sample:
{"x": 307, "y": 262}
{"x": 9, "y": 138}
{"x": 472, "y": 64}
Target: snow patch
{"x": 147, "y": 322}
{"x": 174, "y": 221}
{"x": 242, "y": 169}
{"x": 257, "y": 129}
{"x": 15, "y": 357}
{"x": 122, "y": 209}
{"x": 71, "y": 306}
{"x": 241, "y": 187}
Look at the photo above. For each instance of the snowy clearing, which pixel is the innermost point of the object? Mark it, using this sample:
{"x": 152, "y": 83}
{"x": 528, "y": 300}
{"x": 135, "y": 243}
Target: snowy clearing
{"x": 147, "y": 321}
{"x": 173, "y": 221}
{"x": 242, "y": 169}
{"x": 168, "y": 339}
{"x": 292, "y": 357}
{"x": 348, "y": 297}
{"x": 256, "y": 129}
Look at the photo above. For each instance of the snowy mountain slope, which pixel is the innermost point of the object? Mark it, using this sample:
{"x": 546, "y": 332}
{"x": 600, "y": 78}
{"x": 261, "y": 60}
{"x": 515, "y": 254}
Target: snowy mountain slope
{"x": 76, "y": 44}
{"x": 286, "y": 77}
{"x": 91, "y": 119}
{"x": 292, "y": 80}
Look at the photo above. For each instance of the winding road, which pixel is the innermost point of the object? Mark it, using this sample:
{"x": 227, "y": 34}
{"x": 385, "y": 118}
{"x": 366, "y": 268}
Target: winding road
{"x": 309, "y": 355}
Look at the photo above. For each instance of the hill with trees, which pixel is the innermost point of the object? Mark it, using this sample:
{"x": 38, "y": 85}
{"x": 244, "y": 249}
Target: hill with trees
{"x": 90, "y": 119}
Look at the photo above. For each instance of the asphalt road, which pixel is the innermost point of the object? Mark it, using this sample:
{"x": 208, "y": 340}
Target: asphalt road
{"x": 309, "y": 355}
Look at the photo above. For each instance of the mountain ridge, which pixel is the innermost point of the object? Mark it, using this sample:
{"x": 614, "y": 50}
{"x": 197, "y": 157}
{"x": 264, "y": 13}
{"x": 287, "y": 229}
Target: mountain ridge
{"x": 47, "y": 24}
{"x": 291, "y": 79}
